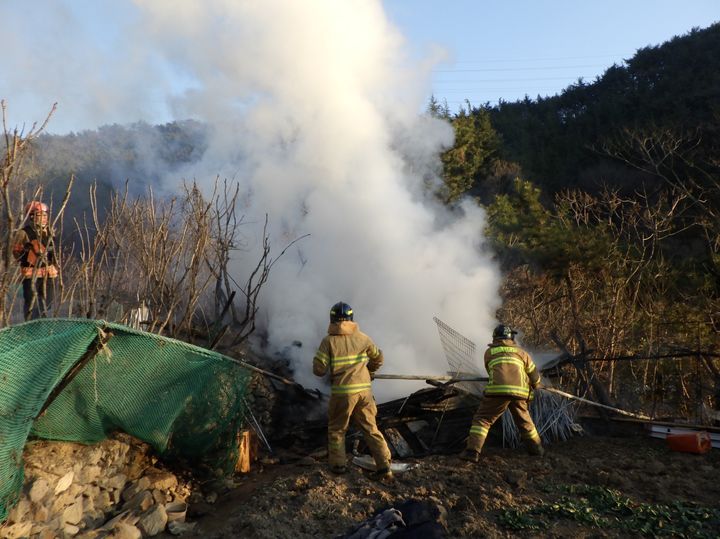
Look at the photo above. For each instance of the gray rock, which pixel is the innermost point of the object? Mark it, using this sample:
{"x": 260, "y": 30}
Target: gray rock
{"x": 116, "y": 481}
{"x": 40, "y": 513}
{"x": 71, "y": 530}
{"x": 135, "y": 487}
{"x": 142, "y": 501}
{"x": 123, "y": 530}
{"x": 162, "y": 480}
{"x": 153, "y": 521}
{"x": 94, "y": 456}
{"x": 62, "y": 501}
{"x": 89, "y": 474}
{"x": 38, "y": 490}
{"x": 21, "y": 509}
{"x": 159, "y": 496}
{"x": 103, "y": 500}
{"x": 72, "y": 514}
{"x": 15, "y": 531}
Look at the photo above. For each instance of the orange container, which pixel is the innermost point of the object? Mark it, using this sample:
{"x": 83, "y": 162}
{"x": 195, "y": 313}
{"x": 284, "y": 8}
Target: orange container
{"x": 691, "y": 442}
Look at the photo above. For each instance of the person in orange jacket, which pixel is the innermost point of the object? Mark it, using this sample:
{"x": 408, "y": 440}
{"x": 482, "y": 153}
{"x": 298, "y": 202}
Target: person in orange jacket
{"x": 512, "y": 379}
{"x": 351, "y": 358}
{"x": 34, "y": 249}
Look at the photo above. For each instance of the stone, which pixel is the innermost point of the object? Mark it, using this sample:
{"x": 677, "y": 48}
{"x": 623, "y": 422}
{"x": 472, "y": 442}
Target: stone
{"x": 211, "y": 497}
{"x": 135, "y": 487}
{"x": 153, "y": 521}
{"x": 142, "y": 501}
{"x": 64, "y": 483}
{"x": 18, "y": 512}
{"x": 46, "y": 533}
{"x": 40, "y": 513}
{"x": 159, "y": 496}
{"x": 89, "y": 474}
{"x": 103, "y": 501}
{"x": 38, "y": 490}
{"x": 179, "y": 528}
{"x": 16, "y": 531}
{"x": 93, "y": 519}
{"x": 116, "y": 481}
{"x": 123, "y": 530}
{"x": 62, "y": 501}
{"x": 71, "y": 530}
{"x": 94, "y": 456}
{"x": 162, "y": 480}
{"x": 73, "y": 513}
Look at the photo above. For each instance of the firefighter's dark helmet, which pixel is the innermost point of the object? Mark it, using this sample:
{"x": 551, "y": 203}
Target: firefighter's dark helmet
{"x": 341, "y": 311}
{"x": 504, "y": 332}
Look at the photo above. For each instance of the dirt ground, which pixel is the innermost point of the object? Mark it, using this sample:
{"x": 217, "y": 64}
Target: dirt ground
{"x": 586, "y": 487}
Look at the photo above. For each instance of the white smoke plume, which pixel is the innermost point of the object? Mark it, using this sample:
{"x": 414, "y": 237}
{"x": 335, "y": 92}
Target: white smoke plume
{"x": 313, "y": 108}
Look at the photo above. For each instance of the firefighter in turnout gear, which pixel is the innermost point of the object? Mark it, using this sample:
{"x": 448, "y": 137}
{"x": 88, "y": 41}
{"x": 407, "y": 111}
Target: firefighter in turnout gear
{"x": 512, "y": 379}
{"x": 351, "y": 358}
{"x": 34, "y": 249}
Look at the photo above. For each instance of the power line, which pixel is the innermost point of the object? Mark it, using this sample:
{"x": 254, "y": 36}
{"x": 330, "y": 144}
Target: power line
{"x": 453, "y": 81}
{"x": 516, "y": 68}
{"x": 546, "y": 59}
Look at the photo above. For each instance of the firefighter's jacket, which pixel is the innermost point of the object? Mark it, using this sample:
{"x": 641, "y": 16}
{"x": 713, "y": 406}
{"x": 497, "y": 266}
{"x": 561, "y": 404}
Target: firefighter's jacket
{"x": 34, "y": 250}
{"x": 349, "y": 356}
{"x": 511, "y": 371}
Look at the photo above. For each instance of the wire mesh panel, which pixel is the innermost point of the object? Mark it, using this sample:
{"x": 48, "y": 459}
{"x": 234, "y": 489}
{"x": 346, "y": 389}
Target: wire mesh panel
{"x": 459, "y": 350}
{"x": 460, "y": 354}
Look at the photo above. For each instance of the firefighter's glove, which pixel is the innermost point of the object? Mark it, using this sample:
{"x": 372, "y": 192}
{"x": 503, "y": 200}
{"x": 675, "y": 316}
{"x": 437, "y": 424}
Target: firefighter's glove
{"x": 372, "y": 375}
{"x": 531, "y": 395}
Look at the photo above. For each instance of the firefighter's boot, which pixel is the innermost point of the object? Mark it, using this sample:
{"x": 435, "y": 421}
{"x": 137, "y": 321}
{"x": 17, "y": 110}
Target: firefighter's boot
{"x": 535, "y": 449}
{"x": 470, "y": 455}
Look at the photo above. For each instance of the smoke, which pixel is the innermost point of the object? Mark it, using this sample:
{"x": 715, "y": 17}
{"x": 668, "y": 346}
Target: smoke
{"x": 313, "y": 108}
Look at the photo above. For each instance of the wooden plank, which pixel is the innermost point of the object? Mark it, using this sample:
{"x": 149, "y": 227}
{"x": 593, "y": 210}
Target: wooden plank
{"x": 247, "y": 450}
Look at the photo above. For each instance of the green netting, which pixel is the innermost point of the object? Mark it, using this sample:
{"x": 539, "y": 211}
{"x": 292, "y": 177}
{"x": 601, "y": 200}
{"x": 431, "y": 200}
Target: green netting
{"x": 185, "y": 401}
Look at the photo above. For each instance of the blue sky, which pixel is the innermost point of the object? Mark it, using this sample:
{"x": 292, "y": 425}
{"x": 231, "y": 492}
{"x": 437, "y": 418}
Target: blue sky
{"x": 505, "y": 49}
{"x": 91, "y": 58}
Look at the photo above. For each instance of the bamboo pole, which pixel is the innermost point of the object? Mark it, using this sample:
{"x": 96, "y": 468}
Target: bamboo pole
{"x": 593, "y": 403}
{"x": 453, "y": 379}
{"x": 432, "y": 377}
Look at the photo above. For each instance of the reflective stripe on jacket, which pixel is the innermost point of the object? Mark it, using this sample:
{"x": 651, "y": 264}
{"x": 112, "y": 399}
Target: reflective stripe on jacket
{"x": 511, "y": 371}
{"x": 349, "y": 356}
{"x": 30, "y": 250}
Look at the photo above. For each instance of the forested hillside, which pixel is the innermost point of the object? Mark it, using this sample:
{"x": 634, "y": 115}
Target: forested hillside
{"x": 139, "y": 154}
{"x": 604, "y": 207}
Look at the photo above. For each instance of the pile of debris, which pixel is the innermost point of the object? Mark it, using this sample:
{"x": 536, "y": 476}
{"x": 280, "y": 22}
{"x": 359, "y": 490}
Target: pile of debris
{"x": 111, "y": 489}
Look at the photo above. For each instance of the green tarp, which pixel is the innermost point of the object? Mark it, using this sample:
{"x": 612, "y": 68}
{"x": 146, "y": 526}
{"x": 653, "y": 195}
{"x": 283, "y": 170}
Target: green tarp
{"x": 185, "y": 401}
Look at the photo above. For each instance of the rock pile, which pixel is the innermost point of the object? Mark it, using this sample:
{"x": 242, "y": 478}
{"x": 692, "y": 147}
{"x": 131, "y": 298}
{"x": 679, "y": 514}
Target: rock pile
{"x": 112, "y": 489}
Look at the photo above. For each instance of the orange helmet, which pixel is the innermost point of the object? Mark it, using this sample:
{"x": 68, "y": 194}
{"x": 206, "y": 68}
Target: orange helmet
{"x": 36, "y": 206}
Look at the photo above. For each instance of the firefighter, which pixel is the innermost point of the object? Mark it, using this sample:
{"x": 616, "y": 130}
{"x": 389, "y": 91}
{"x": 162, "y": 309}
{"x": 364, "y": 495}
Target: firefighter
{"x": 351, "y": 358}
{"x": 512, "y": 379}
{"x": 34, "y": 249}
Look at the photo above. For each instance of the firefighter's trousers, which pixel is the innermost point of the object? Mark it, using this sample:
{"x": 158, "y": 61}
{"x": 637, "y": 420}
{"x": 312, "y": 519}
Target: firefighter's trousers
{"x": 490, "y": 409}
{"x": 361, "y": 408}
